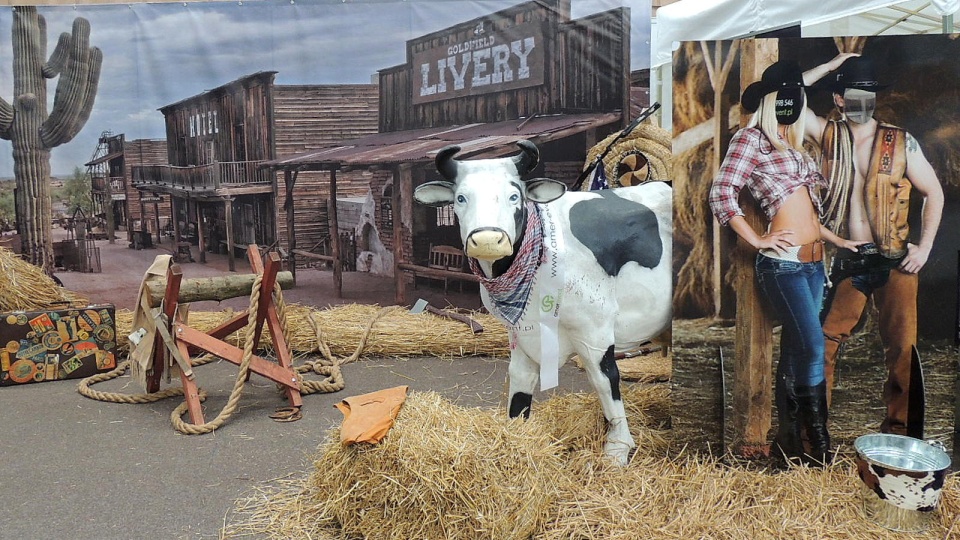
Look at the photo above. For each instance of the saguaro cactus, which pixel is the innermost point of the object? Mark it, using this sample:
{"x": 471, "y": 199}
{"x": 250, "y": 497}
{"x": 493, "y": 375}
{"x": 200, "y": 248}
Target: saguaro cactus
{"x": 26, "y": 124}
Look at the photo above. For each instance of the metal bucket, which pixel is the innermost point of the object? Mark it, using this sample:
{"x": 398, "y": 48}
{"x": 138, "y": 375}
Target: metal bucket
{"x": 902, "y": 478}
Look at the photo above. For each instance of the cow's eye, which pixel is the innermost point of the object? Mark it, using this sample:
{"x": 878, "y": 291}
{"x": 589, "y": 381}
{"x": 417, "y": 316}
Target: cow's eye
{"x": 461, "y": 199}
{"x": 515, "y": 197}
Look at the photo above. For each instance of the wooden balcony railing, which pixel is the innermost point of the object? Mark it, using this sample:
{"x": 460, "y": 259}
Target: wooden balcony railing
{"x": 118, "y": 185}
{"x": 202, "y": 177}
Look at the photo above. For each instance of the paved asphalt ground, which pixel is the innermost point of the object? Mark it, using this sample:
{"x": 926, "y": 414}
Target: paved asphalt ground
{"x": 73, "y": 468}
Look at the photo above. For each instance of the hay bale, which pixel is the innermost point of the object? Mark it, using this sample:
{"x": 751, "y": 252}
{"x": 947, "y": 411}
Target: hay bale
{"x": 397, "y": 333}
{"x": 450, "y": 472}
{"x": 652, "y": 141}
{"x": 692, "y": 230}
{"x": 647, "y": 368}
{"x": 25, "y": 287}
{"x": 442, "y": 472}
{"x": 401, "y": 333}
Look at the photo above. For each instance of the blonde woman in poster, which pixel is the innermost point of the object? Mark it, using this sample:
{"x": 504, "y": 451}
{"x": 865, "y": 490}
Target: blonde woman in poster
{"x": 872, "y": 168}
{"x": 767, "y": 158}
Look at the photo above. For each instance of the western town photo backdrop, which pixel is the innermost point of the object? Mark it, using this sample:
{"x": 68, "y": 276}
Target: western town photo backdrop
{"x": 156, "y": 54}
{"x": 924, "y": 78}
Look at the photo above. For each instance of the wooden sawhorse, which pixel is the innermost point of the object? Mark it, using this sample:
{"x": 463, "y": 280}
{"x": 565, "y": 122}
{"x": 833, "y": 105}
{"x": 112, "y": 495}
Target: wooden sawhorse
{"x": 189, "y": 341}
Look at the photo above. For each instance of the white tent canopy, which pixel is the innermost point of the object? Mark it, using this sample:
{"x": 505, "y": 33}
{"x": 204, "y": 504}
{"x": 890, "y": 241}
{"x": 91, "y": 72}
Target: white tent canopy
{"x": 688, "y": 20}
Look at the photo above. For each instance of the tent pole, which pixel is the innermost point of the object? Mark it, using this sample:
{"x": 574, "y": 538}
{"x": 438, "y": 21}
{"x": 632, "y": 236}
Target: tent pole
{"x": 948, "y": 24}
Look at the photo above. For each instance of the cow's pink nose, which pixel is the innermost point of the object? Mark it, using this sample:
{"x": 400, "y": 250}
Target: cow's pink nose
{"x": 488, "y": 244}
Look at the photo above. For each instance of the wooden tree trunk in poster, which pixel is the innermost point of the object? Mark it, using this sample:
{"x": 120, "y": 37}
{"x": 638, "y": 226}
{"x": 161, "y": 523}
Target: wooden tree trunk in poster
{"x": 754, "y": 332}
{"x": 718, "y": 68}
{"x": 33, "y": 133}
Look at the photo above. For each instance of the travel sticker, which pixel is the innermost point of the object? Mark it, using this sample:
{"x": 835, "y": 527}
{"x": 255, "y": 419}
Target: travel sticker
{"x": 104, "y": 333}
{"x": 105, "y": 360}
{"x": 52, "y": 341}
{"x": 23, "y": 371}
{"x": 89, "y": 320}
{"x": 72, "y": 365}
{"x": 41, "y": 324}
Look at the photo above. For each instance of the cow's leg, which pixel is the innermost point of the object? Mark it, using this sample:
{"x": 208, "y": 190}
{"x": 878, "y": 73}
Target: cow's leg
{"x": 524, "y": 374}
{"x": 601, "y": 368}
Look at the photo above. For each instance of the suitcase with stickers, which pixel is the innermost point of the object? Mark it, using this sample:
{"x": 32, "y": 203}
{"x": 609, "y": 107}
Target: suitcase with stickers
{"x": 50, "y": 345}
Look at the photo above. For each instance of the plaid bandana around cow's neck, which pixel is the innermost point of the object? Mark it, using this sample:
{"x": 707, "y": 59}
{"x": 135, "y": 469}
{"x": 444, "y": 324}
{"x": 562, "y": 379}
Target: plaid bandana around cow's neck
{"x": 511, "y": 291}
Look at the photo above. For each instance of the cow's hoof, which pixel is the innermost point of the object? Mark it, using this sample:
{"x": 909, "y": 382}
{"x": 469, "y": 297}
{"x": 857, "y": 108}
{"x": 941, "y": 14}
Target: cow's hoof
{"x": 618, "y": 452}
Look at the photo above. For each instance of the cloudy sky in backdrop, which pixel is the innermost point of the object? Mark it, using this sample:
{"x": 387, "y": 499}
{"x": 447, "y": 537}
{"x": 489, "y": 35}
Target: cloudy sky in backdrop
{"x": 158, "y": 54}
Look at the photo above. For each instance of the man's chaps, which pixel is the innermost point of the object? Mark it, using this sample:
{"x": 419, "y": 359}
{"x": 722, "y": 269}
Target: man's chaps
{"x": 896, "y": 302}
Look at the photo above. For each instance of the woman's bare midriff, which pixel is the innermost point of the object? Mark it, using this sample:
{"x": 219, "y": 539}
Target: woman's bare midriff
{"x": 797, "y": 214}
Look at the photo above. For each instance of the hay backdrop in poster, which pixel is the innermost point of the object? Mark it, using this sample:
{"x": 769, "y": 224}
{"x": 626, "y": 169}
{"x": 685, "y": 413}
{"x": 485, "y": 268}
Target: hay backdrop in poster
{"x": 924, "y": 78}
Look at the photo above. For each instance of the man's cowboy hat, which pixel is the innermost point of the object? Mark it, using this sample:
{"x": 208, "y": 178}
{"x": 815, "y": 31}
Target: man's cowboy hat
{"x": 856, "y": 72}
{"x": 780, "y": 75}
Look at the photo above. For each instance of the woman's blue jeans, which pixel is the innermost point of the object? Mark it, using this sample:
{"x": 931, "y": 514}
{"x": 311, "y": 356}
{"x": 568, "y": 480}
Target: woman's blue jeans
{"x": 795, "y": 292}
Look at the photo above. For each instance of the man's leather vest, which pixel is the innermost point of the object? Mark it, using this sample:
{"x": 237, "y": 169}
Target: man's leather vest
{"x": 886, "y": 188}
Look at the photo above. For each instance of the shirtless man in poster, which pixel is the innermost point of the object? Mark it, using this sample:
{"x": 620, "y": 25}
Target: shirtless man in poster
{"x": 871, "y": 168}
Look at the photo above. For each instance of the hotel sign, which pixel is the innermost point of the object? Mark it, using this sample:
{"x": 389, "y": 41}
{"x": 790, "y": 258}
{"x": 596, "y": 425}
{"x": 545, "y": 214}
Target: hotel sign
{"x": 488, "y": 61}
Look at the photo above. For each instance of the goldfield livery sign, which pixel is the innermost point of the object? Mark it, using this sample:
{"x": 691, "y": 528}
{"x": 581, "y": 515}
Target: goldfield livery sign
{"x": 487, "y": 62}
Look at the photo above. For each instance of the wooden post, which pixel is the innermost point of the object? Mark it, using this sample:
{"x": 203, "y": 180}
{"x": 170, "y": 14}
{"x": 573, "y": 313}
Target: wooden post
{"x": 201, "y": 234}
{"x": 335, "y": 236}
{"x": 754, "y": 331}
{"x": 228, "y": 214}
{"x": 176, "y": 222}
{"x": 402, "y": 191}
{"x": 156, "y": 219}
{"x": 143, "y": 216}
{"x": 624, "y": 74}
{"x": 289, "y": 181}
{"x": 718, "y": 69}
{"x": 108, "y": 210}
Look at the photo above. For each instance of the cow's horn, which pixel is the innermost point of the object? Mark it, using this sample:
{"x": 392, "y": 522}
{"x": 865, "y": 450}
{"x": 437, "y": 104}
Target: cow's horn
{"x": 526, "y": 161}
{"x": 446, "y": 165}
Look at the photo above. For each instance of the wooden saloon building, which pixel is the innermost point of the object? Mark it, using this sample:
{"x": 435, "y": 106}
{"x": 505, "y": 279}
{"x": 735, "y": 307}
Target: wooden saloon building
{"x": 222, "y": 197}
{"x": 526, "y": 72}
{"x": 142, "y": 214}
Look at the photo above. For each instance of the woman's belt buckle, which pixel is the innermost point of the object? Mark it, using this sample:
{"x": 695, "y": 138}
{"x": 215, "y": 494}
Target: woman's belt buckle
{"x": 812, "y": 252}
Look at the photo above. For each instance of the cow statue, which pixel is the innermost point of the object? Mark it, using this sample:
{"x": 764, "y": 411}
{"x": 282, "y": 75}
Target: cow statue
{"x": 586, "y": 273}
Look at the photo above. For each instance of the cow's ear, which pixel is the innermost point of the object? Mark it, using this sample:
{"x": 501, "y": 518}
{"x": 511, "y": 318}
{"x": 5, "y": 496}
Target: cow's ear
{"x": 544, "y": 190}
{"x": 434, "y": 193}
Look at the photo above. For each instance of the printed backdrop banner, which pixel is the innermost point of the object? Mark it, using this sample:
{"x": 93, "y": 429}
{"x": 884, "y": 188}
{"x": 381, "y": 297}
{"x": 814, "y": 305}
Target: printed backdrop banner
{"x": 158, "y": 54}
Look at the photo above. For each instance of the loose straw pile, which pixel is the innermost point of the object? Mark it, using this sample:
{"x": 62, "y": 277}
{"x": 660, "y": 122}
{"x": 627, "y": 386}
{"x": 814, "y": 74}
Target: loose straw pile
{"x": 445, "y": 472}
{"x": 24, "y": 287}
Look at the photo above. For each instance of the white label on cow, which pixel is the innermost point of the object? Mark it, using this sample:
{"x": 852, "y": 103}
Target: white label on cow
{"x": 551, "y": 287}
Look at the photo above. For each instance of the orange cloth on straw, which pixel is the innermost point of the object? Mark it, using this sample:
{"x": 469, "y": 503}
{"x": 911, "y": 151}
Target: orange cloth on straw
{"x": 368, "y": 418}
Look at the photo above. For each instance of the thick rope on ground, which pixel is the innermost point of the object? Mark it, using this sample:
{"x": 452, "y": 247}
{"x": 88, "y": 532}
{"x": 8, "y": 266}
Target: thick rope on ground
{"x": 234, "y": 400}
{"x": 329, "y": 366}
{"x": 118, "y": 397}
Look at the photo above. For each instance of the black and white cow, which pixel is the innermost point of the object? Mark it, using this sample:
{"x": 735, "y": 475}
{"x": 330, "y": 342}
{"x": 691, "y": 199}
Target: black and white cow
{"x": 586, "y": 273}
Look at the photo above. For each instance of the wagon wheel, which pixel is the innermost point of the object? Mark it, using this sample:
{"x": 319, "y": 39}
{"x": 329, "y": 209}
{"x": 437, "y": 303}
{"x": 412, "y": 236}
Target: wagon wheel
{"x": 633, "y": 169}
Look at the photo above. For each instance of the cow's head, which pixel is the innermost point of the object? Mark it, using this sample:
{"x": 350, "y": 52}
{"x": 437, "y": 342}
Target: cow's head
{"x": 489, "y": 197}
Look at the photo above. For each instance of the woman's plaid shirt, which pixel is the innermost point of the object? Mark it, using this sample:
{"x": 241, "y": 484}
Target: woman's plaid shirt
{"x": 771, "y": 175}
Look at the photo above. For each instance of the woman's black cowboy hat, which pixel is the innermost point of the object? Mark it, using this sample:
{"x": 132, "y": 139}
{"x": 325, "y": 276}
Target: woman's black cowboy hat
{"x": 856, "y": 72}
{"x": 780, "y": 75}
